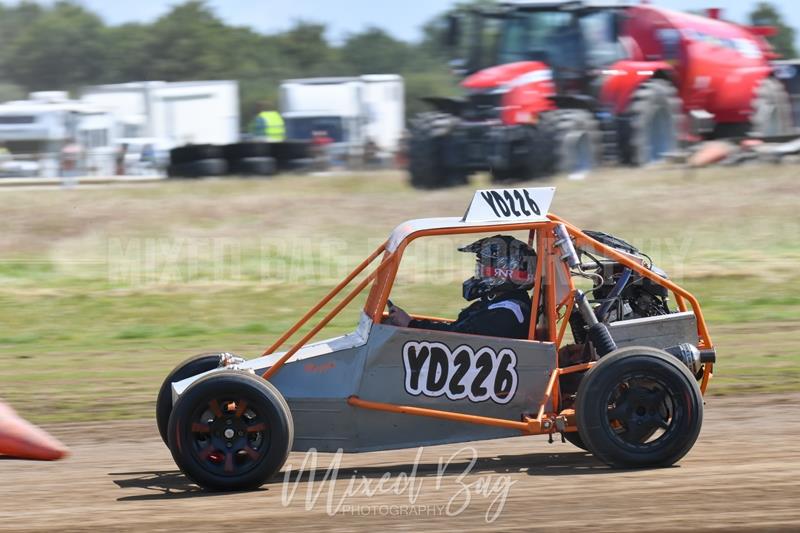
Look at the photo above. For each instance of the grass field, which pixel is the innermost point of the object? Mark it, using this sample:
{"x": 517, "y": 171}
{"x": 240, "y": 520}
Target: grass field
{"x": 103, "y": 290}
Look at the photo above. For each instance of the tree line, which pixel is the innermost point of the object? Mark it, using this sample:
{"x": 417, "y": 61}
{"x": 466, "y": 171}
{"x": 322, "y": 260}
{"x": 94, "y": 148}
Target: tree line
{"x": 65, "y": 46}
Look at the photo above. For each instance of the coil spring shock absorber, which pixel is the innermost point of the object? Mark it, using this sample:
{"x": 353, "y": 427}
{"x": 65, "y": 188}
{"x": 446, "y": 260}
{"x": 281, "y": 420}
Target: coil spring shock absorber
{"x": 598, "y": 332}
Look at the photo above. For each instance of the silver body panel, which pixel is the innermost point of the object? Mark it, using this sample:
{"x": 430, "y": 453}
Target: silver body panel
{"x": 372, "y": 363}
{"x": 317, "y": 387}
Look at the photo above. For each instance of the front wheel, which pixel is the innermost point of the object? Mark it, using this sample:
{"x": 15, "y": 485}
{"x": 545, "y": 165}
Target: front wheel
{"x": 639, "y": 407}
{"x": 230, "y": 431}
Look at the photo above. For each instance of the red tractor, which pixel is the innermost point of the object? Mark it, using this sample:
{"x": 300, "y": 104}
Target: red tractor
{"x": 563, "y": 86}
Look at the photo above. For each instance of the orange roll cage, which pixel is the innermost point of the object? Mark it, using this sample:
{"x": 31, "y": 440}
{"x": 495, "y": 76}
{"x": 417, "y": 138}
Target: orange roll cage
{"x": 543, "y": 326}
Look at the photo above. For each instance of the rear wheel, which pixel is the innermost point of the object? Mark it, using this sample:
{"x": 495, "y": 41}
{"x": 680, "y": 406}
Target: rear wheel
{"x": 188, "y": 368}
{"x": 652, "y": 123}
{"x": 639, "y": 407}
{"x": 230, "y": 431}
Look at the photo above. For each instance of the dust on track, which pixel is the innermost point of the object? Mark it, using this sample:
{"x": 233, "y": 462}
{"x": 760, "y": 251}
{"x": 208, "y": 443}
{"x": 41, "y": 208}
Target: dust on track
{"x": 741, "y": 475}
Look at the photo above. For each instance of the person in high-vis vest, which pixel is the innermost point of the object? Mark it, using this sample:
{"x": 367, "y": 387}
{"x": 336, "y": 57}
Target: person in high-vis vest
{"x": 270, "y": 125}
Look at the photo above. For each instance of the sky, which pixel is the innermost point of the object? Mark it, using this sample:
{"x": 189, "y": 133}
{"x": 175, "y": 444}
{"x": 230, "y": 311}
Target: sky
{"x": 401, "y": 18}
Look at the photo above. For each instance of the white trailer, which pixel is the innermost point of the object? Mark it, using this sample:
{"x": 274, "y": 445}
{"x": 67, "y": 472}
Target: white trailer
{"x": 352, "y": 111}
{"x": 194, "y": 112}
{"x": 36, "y": 132}
{"x": 384, "y": 104}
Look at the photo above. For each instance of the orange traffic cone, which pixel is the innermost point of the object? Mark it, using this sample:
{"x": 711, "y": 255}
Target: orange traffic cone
{"x": 23, "y": 440}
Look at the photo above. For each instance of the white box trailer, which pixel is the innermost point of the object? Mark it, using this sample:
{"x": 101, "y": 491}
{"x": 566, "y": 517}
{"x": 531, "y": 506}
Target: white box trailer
{"x": 352, "y": 111}
{"x": 384, "y": 104}
{"x": 196, "y": 112}
{"x": 37, "y": 130}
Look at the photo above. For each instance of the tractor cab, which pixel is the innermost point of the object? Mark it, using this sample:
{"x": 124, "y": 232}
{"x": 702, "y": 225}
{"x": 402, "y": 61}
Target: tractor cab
{"x": 572, "y": 40}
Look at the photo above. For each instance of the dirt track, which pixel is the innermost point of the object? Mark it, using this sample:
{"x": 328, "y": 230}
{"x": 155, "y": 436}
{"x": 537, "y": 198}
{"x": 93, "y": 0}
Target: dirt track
{"x": 742, "y": 475}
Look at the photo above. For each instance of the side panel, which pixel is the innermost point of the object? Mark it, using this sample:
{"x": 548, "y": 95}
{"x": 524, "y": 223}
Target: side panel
{"x": 399, "y": 370}
{"x": 317, "y": 388}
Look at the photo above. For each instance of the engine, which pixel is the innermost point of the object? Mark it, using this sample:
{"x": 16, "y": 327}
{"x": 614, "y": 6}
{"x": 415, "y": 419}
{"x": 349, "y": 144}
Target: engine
{"x": 618, "y": 292}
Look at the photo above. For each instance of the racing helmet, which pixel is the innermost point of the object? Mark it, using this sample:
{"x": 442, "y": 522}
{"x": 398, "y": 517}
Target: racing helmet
{"x": 503, "y": 263}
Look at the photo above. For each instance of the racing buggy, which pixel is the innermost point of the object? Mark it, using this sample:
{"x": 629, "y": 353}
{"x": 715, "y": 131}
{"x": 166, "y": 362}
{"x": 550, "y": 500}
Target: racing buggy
{"x": 627, "y": 386}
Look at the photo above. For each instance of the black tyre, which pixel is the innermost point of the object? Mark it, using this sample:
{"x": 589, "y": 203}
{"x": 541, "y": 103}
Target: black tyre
{"x": 230, "y": 431}
{"x": 199, "y": 169}
{"x": 279, "y": 151}
{"x": 194, "y": 152}
{"x": 299, "y": 166}
{"x": 639, "y": 407}
{"x": 297, "y": 149}
{"x": 188, "y": 368}
{"x": 253, "y": 166}
{"x": 651, "y": 125}
{"x": 529, "y": 155}
{"x": 578, "y": 140}
{"x": 244, "y": 150}
{"x": 287, "y": 151}
{"x": 427, "y": 152}
{"x": 772, "y": 110}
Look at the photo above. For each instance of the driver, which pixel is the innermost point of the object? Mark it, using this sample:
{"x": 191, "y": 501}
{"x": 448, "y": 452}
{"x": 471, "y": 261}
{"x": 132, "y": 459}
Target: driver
{"x": 501, "y": 307}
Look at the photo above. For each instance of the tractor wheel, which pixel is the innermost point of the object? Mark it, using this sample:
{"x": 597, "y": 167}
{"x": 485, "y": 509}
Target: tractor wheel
{"x": 652, "y": 128}
{"x": 190, "y": 367}
{"x": 230, "y": 431}
{"x": 430, "y": 133}
{"x": 578, "y": 140}
{"x": 639, "y": 407}
{"x": 530, "y": 155}
{"x": 772, "y": 111}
